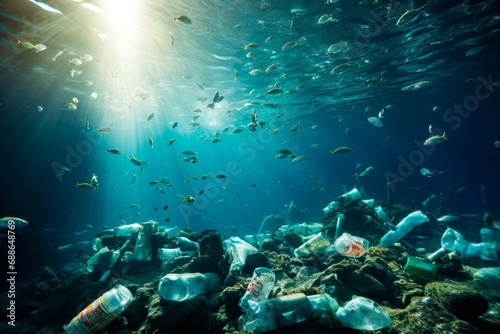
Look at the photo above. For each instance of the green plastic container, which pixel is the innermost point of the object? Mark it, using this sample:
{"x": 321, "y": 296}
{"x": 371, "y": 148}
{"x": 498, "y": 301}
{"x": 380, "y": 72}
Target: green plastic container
{"x": 420, "y": 268}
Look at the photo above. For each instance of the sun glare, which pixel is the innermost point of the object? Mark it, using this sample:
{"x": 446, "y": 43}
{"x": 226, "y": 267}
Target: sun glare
{"x": 122, "y": 15}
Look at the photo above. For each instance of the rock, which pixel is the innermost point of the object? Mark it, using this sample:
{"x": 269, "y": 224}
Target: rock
{"x": 458, "y": 299}
{"x": 137, "y": 312}
{"x": 425, "y": 315}
{"x": 211, "y": 245}
{"x": 364, "y": 285}
{"x": 254, "y": 261}
{"x": 271, "y": 244}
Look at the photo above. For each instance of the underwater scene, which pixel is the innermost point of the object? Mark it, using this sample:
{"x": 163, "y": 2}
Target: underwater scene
{"x": 250, "y": 166}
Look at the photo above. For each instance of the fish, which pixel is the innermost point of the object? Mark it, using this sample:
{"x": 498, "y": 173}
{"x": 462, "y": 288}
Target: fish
{"x": 448, "y": 218}
{"x": 151, "y": 143}
{"x": 250, "y": 46}
{"x": 274, "y": 90}
{"x": 475, "y": 50}
{"x": 171, "y": 141}
{"x": 251, "y": 55}
{"x": 435, "y": 139}
{"x": 217, "y": 97}
{"x": 221, "y": 176}
{"x": 284, "y": 152}
{"x": 235, "y": 131}
{"x": 431, "y": 129}
{"x": 314, "y": 145}
{"x": 326, "y": 18}
{"x": 417, "y": 85}
{"x": 12, "y": 222}
{"x": 173, "y": 124}
{"x": 381, "y": 114}
{"x": 300, "y": 158}
{"x": 183, "y": 19}
{"x": 427, "y": 173}
{"x": 341, "y": 149}
{"x": 58, "y": 55}
{"x": 461, "y": 190}
{"x": 289, "y": 45}
{"x": 272, "y": 67}
{"x": 165, "y": 208}
{"x": 40, "y": 48}
{"x": 26, "y": 44}
{"x": 255, "y": 72}
{"x": 75, "y": 61}
{"x": 269, "y": 39}
{"x": 137, "y": 162}
{"x": 171, "y": 40}
{"x": 84, "y": 185}
{"x": 86, "y": 58}
{"x": 376, "y": 122}
{"x": 497, "y": 144}
{"x": 189, "y": 153}
{"x": 150, "y": 117}
{"x": 113, "y": 151}
{"x": 201, "y": 192}
{"x": 105, "y": 129}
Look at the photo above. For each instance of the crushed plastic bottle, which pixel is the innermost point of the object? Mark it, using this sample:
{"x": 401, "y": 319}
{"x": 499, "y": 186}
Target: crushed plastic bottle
{"x": 406, "y": 225}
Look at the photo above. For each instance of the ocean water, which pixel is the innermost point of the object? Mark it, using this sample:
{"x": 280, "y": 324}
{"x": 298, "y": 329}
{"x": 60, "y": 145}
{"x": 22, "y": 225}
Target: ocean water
{"x": 341, "y": 70}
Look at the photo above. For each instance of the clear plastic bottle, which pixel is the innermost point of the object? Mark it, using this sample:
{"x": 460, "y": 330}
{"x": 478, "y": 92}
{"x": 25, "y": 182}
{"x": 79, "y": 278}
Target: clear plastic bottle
{"x": 187, "y": 245}
{"x": 101, "y": 312}
{"x": 260, "y": 286}
{"x": 141, "y": 248}
{"x": 180, "y": 287}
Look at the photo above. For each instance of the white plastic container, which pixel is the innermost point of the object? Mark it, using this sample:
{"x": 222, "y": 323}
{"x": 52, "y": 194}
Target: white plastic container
{"x": 101, "y": 312}
{"x": 317, "y": 243}
{"x": 406, "y": 225}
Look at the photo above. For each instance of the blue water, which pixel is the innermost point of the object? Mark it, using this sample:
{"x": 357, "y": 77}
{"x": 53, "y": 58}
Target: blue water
{"x": 136, "y": 71}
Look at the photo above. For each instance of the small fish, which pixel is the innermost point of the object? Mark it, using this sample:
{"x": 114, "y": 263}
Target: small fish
{"x": 475, "y": 50}
{"x": 427, "y": 173}
{"x": 431, "y": 129}
{"x": 58, "y": 55}
{"x": 435, "y": 139}
{"x": 436, "y": 108}
{"x": 26, "y": 44}
{"x": 151, "y": 143}
{"x": 376, "y": 122}
{"x": 272, "y": 67}
{"x": 251, "y": 55}
{"x": 273, "y": 91}
{"x": 201, "y": 192}
{"x": 255, "y": 72}
{"x": 497, "y": 144}
{"x": 40, "y": 48}
{"x": 113, "y": 151}
{"x": 7, "y": 222}
{"x": 39, "y": 108}
{"x": 300, "y": 158}
{"x": 87, "y": 124}
{"x": 268, "y": 39}
{"x": 221, "y": 176}
{"x": 289, "y": 45}
{"x": 448, "y": 218}
{"x": 417, "y": 85}
{"x": 326, "y": 18}
{"x": 381, "y": 114}
{"x": 461, "y": 190}
{"x": 105, "y": 129}
{"x": 165, "y": 208}
{"x": 250, "y": 46}
{"x": 150, "y": 117}
{"x": 388, "y": 138}
{"x": 171, "y": 40}
{"x": 173, "y": 124}
{"x": 171, "y": 141}
{"x": 182, "y": 18}
{"x": 341, "y": 149}
{"x": 75, "y": 61}
{"x": 84, "y": 185}
{"x": 314, "y": 145}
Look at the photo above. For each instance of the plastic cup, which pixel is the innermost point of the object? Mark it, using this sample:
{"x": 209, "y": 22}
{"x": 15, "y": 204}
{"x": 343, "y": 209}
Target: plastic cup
{"x": 260, "y": 286}
{"x": 420, "y": 268}
{"x": 348, "y": 245}
{"x": 168, "y": 253}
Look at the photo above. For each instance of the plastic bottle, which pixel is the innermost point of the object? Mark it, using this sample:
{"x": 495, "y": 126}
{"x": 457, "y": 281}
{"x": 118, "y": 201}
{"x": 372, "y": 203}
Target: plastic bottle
{"x": 275, "y": 313}
{"x": 238, "y": 250}
{"x": 350, "y": 196}
{"x": 351, "y": 246}
{"x": 406, "y": 225}
{"x": 180, "y": 287}
{"x": 101, "y": 312}
{"x": 369, "y": 202}
{"x": 318, "y": 243}
{"x": 166, "y": 253}
{"x": 260, "y": 286}
{"x": 363, "y": 314}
